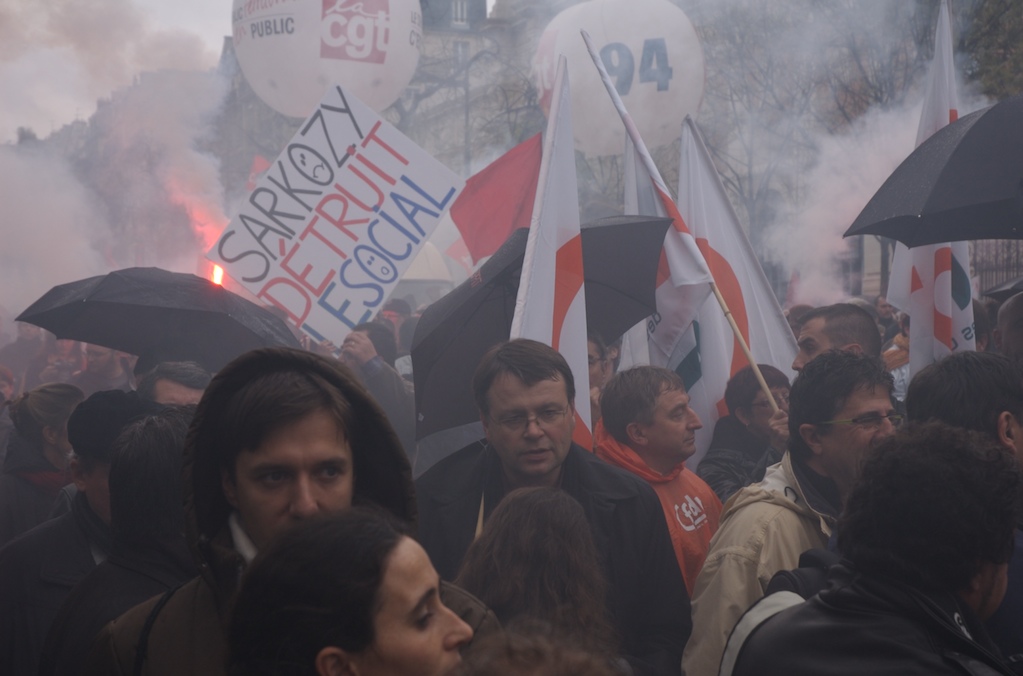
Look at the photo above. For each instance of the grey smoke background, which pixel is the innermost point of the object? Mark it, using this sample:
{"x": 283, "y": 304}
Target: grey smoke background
{"x": 809, "y": 105}
{"x": 133, "y": 185}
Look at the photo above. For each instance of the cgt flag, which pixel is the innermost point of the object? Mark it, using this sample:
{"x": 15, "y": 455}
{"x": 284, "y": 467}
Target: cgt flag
{"x": 683, "y": 278}
{"x": 932, "y": 283}
{"x": 551, "y": 303}
{"x": 717, "y": 355}
{"x": 498, "y": 199}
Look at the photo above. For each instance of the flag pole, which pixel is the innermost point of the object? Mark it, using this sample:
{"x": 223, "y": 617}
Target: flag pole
{"x": 637, "y": 140}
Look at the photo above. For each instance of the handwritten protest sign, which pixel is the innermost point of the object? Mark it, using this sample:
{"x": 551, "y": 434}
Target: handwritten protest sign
{"x": 336, "y": 219}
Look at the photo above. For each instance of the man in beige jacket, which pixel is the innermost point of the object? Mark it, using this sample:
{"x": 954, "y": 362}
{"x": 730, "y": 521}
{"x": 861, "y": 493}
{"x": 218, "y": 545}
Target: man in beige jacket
{"x": 839, "y": 408}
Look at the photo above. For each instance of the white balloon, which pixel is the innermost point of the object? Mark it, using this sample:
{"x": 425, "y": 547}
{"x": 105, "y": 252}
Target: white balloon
{"x": 653, "y": 55}
{"x": 291, "y": 51}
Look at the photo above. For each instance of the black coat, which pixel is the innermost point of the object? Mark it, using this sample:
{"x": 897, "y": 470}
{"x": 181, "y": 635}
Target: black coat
{"x": 865, "y": 625}
{"x": 132, "y": 574}
{"x": 37, "y": 573}
{"x": 736, "y": 458}
{"x": 23, "y": 505}
{"x": 647, "y": 597}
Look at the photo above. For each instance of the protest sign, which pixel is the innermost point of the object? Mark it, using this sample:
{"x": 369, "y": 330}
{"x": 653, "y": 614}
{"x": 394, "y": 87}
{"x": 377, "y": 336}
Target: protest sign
{"x": 337, "y": 218}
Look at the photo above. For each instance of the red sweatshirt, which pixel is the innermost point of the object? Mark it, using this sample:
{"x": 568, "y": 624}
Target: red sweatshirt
{"x": 690, "y": 506}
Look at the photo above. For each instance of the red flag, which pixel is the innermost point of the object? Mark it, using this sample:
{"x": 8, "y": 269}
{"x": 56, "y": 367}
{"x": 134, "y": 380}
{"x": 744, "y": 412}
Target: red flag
{"x": 499, "y": 199}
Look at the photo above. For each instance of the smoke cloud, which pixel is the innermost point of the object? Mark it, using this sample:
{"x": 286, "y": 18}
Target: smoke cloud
{"x": 136, "y": 185}
{"x": 57, "y": 57}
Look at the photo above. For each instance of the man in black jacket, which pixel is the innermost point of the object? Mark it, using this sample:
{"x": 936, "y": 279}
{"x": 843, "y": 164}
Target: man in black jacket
{"x": 926, "y": 535}
{"x": 39, "y": 569}
{"x": 149, "y": 555}
{"x": 524, "y": 391}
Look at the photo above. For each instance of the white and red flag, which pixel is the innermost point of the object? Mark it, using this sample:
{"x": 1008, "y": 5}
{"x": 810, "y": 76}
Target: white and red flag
{"x": 932, "y": 283}
{"x": 683, "y": 278}
{"x": 717, "y": 357}
{"x": 551, "y": 303}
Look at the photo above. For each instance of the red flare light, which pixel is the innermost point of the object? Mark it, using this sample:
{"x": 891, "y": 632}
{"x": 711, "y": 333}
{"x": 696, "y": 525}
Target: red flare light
{"x": 218, "y": 275}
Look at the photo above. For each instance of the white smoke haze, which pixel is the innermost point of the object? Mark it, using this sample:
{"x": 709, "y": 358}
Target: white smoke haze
{"x": 136, "y": 185}
{"x": 57, "y": 57}
{"x": 49, "y": 223}
{"x": 849, "y": 168}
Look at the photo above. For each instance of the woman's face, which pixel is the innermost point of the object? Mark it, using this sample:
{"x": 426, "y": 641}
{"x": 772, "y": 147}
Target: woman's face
{"x": 416, "y": 634}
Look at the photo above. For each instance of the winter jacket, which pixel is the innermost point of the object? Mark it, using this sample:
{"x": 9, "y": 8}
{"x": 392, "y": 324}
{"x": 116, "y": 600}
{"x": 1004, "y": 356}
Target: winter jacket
{"x": 864, "y": 624}
{"x": 37, "y": 573}
{"x": 647, "y": 597}
{"x": 132, "y": 574}
{"x": 28, "y": 487}
{"x": 764, "y": 529}
{"x": 691, "y": 508}
{"x": 736, "y": 458}
{"x": 187, "y": 632}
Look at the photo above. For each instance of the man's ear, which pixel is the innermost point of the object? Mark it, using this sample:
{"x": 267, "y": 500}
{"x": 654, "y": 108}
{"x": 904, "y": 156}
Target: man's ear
{"x": 854, "y": 348}
{"x": 51, "y": 435}
{"x": 228, "y": 485}
{"x": 636, "y": 433}
{"x": 333, "y": 661}
{"x": 743, "y": 416}
{"x": 1008, "y": 430}
{"x": 811, "y": 437}
{"x": 996, "y": 334}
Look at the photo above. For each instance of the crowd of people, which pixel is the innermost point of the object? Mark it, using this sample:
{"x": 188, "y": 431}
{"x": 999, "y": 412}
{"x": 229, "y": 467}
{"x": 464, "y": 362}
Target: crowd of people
{"x": 158, "y": 519}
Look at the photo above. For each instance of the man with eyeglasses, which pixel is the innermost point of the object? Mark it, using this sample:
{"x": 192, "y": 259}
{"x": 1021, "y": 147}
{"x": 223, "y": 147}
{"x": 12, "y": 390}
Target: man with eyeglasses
{"x": 524, "y": 391}
{"x": 839, "y": 408}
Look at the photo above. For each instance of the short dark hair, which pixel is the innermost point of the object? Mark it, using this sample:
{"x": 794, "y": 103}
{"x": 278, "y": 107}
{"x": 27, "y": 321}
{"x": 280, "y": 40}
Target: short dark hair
{"x": 382, "y": 337}
{"x": 631, "y": 396}
{"x": 743, "y": 387}
{"x": 96, "y": 423}
{"x": 145, "y": 477}
{"x": 269, "y": 402}
{"x": 316, "y": 585}
{"x": 528, "y": 360}
{"x": 932, "y": 505}
{"x": 822, "y": 388}
{"x": 981, "y": 324}
{"x": 847, "y": 324}
{"x": 185, "y": 373}
{"x": 967, "y": 389}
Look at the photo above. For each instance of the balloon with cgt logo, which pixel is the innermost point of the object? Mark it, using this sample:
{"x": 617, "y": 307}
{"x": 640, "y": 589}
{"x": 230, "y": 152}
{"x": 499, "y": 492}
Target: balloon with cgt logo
{"x": 291, "y": 51}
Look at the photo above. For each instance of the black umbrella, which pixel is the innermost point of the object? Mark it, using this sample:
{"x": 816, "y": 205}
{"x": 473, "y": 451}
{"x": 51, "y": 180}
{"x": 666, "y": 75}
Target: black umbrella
{"x": 964, "y": 182}
{"x": 620, "y": 257}
{"x": 153, "y": 313}
{"x": 1005, "y": 290}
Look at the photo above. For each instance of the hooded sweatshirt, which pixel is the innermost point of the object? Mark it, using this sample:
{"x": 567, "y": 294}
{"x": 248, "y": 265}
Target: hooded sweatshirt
{"x": 187, "y": 629}
{"x": 691, "y": 508}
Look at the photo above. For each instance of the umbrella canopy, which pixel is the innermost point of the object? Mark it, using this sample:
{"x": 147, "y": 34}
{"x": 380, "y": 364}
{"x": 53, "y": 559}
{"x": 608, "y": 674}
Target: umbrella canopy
{"x": 1005, "y": 290}
{"x": 153, "y": 313}
{"x": 964, "y": 182}
{"x": 620, "y": 257}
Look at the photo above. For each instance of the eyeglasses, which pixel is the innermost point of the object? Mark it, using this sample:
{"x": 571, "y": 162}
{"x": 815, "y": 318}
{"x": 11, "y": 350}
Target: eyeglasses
{"x": 518, "y": 422}
{"x": 869, "y": 421}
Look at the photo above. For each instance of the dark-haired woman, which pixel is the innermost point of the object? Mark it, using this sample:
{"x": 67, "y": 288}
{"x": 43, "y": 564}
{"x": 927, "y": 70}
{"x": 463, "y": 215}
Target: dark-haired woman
{"x": 535, "y": 562}
{"x": 347, "y": 594}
